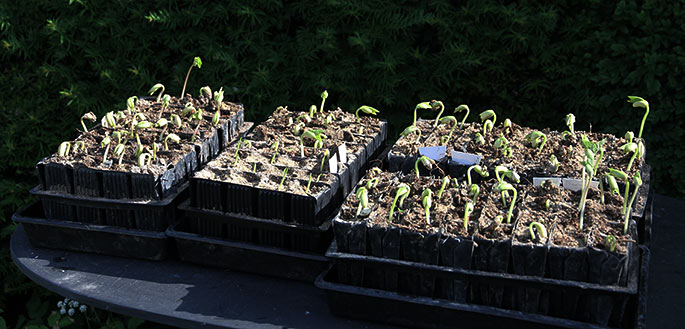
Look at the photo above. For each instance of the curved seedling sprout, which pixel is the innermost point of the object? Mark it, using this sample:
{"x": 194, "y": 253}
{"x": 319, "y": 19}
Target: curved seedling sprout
{"x": 305, "y": 118}
{"x": 506, "y": 126}
{"x": 206, "y": 91}
{"x": 554, "y": 162}
{"x": 365, "y": 109}
{"x": 421, "y": 106}
{"x": 468, "y": 209}
{"x": 622, "y": 176}
{"x": 315, "y": 134}
{"x": 119, "y": 151}
{"x": 426, "y": 202}
{"x": 630, "y": 148}
{"x": 324, "y": 95}
{"x": 105, "y": 143}
{"x": 548, "y": 204}
{"x": 88, "y": 116}
{"x": 542, "y": 231}
{"x": 275, "y": 150}
{"x": 401, "y": 194}
{"x": 480, "y": 139}
{"x": 435, "y": 105}
{"x": 188, "y": 109}
{"x": 79, "y": 145}
{"x": 363, "y": 196}
{"x": 445, "y": 182}
{"x": 570, "y": 122}
{"x": 474, "y": 190}
{"x": 109, "y": 121}
{"x": 196, "y": 62}
{"x": 218, "y": 98}
{"x": 131, "y": 104}
{"x": 297, "y": 128}
{"x": 411, "y": 129}
{"x": 63, "y": 149}
{"x": 637, "y": 181}
{"x": 447, "y": 120}
{"x": 197, "y": 115}
{"x": 326, "y": 154}
{"x": 536, "y": 138}
{"x": 236, "y": 156}
{"x": 372, "y": 183}
{"x": 165, "y": 101}
{"x": 329, "y": 119}
{"x": 629, "y": 136}
{"x": 461, "y": 108}
{"x": 590, "y": 165}
{"x": 426, "y": 161}
{"x": 501, "y": 143}
{"x": 144, "y": 159}
{"x": 502, "y": 187}
{"x": 154, "y": 89}
{"x": 611, "y": 242}
{"x": 640, "y": 102}
{"x": 176, "y": 120}
{"x": 173, "y": 137}
{"x": 312, "y": 111}
{"x": 502, "y": 172}
{"x": 488, "y": 124}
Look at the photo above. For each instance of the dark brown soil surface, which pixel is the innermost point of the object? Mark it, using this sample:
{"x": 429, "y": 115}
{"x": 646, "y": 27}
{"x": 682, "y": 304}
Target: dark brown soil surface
{"x": 92, "y": 156}
{"x": 408, "y": 145}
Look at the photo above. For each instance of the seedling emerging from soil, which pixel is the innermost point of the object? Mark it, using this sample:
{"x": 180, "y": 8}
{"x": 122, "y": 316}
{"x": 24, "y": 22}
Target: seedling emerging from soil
{"x": 88, "y": 116}
{"x": 629, "y": 136}
{"x": 501, "y": 143}
{"x": 474, "y": 190}
{"x": 488, "y": 124}
{"x": 426, "y": 161}
{"x": 447, "y": 120}
{"x": 218, "y": 98}
{"x": 506, "y": 126}
{"x": 285, "y": 172}
{"x": 536, "y": 138}
{"x": 468, "y": 209}
{"x": 554, "y": 162}
{"x": 371, "y": 183}
{"x": 421, "y": 106}
{"x": 315, "y": 134}
{"x": 548, "y": 204}
{"x": 105, "y": 143}
{"x": 79, "y": 145}
{"x": 275, "y": 150}
{"x": 326, "y": 154}
{"x": 363, "y": 196}
{"x": 426, "y": 202}
{"x": 119, "y": 152}
{"x": 503, "y": 187}
{"x": 542, "y": 231}
{"x": 630, "y": 148}
{"x": 365, "y": 109}
{"x": 622, "y": 176}
{"x": 480, "y": 139}
{"x": 324, "y": 95}
{"x": 502, "y": 172}
{"x": 590, "y": 165}
{"x": 207, "y": 91}
{"x": 198, "y": 117}
{"x": 410, "y": 130}
{"x": 63, "y": 149}
{"x": 297, "y": 129}
{"x": 173, "y": 137}
{"x": 236, "y": 156}
{"x": 109, "y": 121}
{"x": 461, "y": 108}
{"x": 312, "y": 111}
{"x": 131, "y": 104}
{"x": 445, "y": 183}
{"x": 196, "y": 62}
{"x": 640, "y": 102}
{"x": 144, "y": 159}
{"x": 154, "y": 89}
{"x": 637, "y": 181}
{"x": 329, "y": 119}
{"x": 165, "y": 101}
{"x": 176, "y": 120}
{"x": 401, "y": 194}
{"x": 434, "y": 105}
{"x": 611, "y": 242}
{"x": 570, "y": 122}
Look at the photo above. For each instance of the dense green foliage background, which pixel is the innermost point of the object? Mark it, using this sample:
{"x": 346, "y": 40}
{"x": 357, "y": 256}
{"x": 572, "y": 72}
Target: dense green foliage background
{"x": 532, "y": 61}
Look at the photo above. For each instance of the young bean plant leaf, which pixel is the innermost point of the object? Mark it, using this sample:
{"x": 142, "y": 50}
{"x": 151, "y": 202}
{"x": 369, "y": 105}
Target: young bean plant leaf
{"x": 447, "y": 120}
{"x": 435, "y": 105}
{"x": 590, "y": 165}
{"x": 88, "y": 116}
{"x": 410, "y": 130}
{"x": 154, "y": 89}
{"x": 570, "y": 121}
{"x": 536, "y": 138}
{"x": 488, "y": 124}
{"x": 196, "y": 62}
{"x": 426, "y": 161}
{"x": 401, "y": 194}
{"x": 173, "y": 137}
{"x": 504, "y": 186}
{"x": 506, "y": 126}
{"x": 131, "y": 104}
{"x": 421, "y": 106}
{"x": 365, "y": 109}
{"x": 426, "y": 202}
{"x": 640, "y": 102}
{"x": 324, "y": 95}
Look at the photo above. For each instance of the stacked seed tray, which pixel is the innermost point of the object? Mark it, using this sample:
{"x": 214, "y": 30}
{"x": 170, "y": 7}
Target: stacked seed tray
{"x": 96, "y": 194}
{"x": 493, "y": 264}
{"x": 265, "y": 205}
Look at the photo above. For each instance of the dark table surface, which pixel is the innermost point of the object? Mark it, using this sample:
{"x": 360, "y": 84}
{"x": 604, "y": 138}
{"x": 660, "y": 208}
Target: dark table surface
{"x": 190, "y": 296}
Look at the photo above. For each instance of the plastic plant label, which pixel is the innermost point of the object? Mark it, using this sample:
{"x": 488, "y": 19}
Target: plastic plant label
{"x": 342, "y": 153}
{"x": 435, "y": 153}
{"x": 333, "y": 165}
{"x": 466, "y": 159}
{"x": 537, "y": 181}
{"x": 575, "y": 184}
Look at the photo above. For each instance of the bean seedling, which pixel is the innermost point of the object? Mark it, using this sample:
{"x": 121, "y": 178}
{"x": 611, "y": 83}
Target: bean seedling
{"x": 421, "y": 106}
{"x": 502, "y": 187}
{"x": 275, "y": 150}
{"x": 445, "y": 182}
{"x": 435, "y": 105}
{"x": 324, "y": 95}
{"x": 173, "y": 137}
{"x": 542, "y": 231}
{"x": 410, "y": 130}
{"x": 474, "y": 190}
{"x": 401, "y": 194}
{"x": 63, "y": 149}
{"x": 196, "y": 62}
{"x": 105, "y": 143}
{"x": 218, "y": 98}
{"x": 637, "y": 181}
{"x": 554, "y": 162}
{"x": 447, "y": 120}
{"x": 461, "y": 108}
{"x": 315, "y": 134}
{"x": 488, "y": 124}
{"x": 285, "y": 172}
{"x": 426, "y": 161}
{"x": 506, "y": 126}
{"x": 88, "y": 116}
{"x": 536, "y": 138}
{"x": 119, "y": 151}
{"x": 468, "y": 209}
{"x": 640, "y": 102}
{"x": 426, "y": 202}
{"x": 154, "y": 89}
{"x": 363, "y": 196}
{"x": 590, "y": 165}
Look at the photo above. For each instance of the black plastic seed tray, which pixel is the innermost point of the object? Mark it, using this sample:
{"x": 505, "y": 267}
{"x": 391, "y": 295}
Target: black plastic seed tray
{"x": 84, "y": 181}
{"x": 235, "y": 227}
{"x": 246, "y": 257}
{"x": 424, "y": 312}
{"x": 100, "y": 239}
{"x": 149, "y": 215}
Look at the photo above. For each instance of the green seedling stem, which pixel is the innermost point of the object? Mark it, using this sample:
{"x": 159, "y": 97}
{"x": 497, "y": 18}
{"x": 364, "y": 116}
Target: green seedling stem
{"x": 426, "y": 161}
{"x": 421, "y": 106}
{"x": 412, "y": 129}
{"x": 173, "y": 137}
{"x": 275, "y": 150}
{"x": 461, "y": 108}
{"x": 536, "y": 138}
{"x": 590, "y": 165}
{"x": 144, "y": 159}
{"x": 154, "y": 89}
{"x": 131, "y": 104}
{"x": 363, "y": 196}
{"x": 309, "y": 183}
{"x": 480, "y": 139}
{"x": 468, "y": 209}
{"x": 285, "y": 172}
{"x": 570, "y": 121}
{"x": 155, "y": 149}
{"x": 79, "y": 145}
{"x": 63, "y": 149}
{"x": 504, "y": 186}
{"x": 637, "y": 181}
{"x": 542, "y": 231}
{"x": 315, "y": 134}
{"x": 488, "y": 124}
{"x": 326, "y": 154}
{"x": 365, "y": 109}
{"x": 401, "y": 194}
{"x": 329, "y": 119}
{"x": 88, "y": 116}
{"x": 372, "y": 183}
{"x": 324, "y": 95}
{"x": 506, "y": 126}
{"x": 105, "y": 143}
{"x": 218, "y": 99}
{"x": 611, "y": 242}
{"x": 165, "y": 101}
{"x": 445, "y": 182}
{"x": 435, "y": 105}
{"x": 447, "y": 120}
{"x": 236, "y": 157}
{"x": 554, "y": 162}
{"x": 312, "y": 111}
{"x": 176, "y": 120}
{"x": 474, "y": 190}
{"x": 119, "y": 151}
{"x": 622, "y": 176}
{"x": 196, "y": 62}
{"x": 640, "y": 102}
{"x": 426, "y": 202}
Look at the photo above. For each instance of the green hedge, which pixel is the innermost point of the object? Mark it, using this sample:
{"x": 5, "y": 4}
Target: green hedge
{"x": 532, "y": 61}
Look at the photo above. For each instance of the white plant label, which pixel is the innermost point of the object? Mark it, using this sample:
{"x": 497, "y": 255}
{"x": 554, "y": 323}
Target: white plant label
{"x": 537, "y": 181}
{"x": 433, "y": 152}
{"x": 333, "y": 165}
{"x": 342, "y": 153}
{"x": 466, "y": 159}
{"x": 575, "y": 184}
